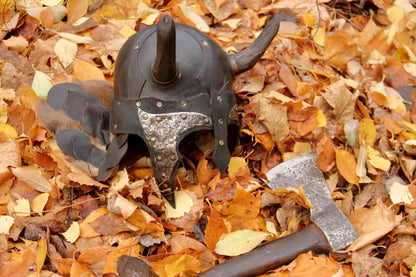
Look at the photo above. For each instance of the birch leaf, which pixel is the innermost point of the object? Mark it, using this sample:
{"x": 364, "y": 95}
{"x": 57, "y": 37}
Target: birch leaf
{"x": 66, "y": 51}
{"x": 41, "y": 84}
{"x": 239, "y": 242}
{"x": 32, "y": 178}
{"x": 6, "y": 223}
{"x": 72, "y": 234}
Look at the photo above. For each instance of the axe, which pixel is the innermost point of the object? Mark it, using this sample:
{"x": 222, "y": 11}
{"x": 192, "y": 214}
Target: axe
{"x": 329, "y": 231}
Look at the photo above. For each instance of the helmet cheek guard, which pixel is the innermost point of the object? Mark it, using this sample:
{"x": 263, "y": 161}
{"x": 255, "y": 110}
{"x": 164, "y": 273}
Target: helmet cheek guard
{"x": 172, "y": 80}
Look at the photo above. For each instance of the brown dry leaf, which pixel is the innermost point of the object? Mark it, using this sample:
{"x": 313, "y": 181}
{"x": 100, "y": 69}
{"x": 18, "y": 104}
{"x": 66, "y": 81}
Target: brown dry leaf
{"x": 347, "y": 165}
{"x": 339, "y": 49}
{"x": 204, "y": 174}
{"x": 341, "y": 100}
{"x": 326, "y": 151}
{"x": 95, "y": 254}
{"x": 9, "y": 157}
{"x": 72, "y": 234}
{"x": 128, "y": 247}
{"x": 80, "y": 269}
{"x": 76, "y": 9}
{"x": 274, "y": 116}
{"x": 372, "y": 224}
{"x": 215, "y": 229}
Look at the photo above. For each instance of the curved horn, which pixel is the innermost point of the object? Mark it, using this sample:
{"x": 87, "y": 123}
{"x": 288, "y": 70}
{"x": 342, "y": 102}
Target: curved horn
{"x": 164, "y": 69}
{"x": 246, "y": 59}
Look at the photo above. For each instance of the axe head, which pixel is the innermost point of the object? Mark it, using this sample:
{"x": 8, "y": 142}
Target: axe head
{"x": 302, "y": 170}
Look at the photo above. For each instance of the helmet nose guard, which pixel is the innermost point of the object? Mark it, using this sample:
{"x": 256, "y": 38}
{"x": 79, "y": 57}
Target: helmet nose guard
{"x": 171, "y": 80}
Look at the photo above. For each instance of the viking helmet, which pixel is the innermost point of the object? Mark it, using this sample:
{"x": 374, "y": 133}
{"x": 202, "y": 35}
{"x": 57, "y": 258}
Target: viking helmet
{"x": 172, "y": 80}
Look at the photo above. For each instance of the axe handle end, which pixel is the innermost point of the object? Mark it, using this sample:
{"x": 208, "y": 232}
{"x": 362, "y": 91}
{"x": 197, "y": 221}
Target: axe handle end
{"x": 273, "y": 254}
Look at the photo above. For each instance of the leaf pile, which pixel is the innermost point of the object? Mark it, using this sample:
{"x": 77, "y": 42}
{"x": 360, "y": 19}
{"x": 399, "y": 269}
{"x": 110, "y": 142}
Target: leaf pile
{"x": 339, "y": 79}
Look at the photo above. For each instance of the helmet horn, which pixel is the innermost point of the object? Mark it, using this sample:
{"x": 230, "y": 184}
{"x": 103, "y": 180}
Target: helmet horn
{"x": 246, "y": 59}
{"x": 164, "y": 69}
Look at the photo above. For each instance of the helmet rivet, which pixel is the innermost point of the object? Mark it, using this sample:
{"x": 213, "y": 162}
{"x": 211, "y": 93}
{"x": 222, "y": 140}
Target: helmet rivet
{"x": 205, "y": 43}
{"x": 158, "y": 157}
{"x": 220, "y": 121}
{"x": 171, "y": 140}
{"x": 115, "y": 126}
{"x": 183, "y": 103}
{"x": 221, "y": 142}
{"x": 207, "y": 120}
{"x": 136, "y": 47}
{"x": 173, "y": 157}
{"x": 145, "y": 116}
{"x": 118, "y": 103}
{"x": 163, "y": 174}
{"x": 158, "y": 119}
{"x": 138, "y": 103}
{"x": 153, "y": 140}
{"x": 184, "y": 116}
{"x": 159, "y": 104}
{"x": 219, "y": 98}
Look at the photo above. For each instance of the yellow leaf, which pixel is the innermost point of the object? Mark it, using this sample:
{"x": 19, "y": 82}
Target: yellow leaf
{"x": 86, "y": 71}
{"x": 8, "y": 130}
{"x": 41, "y": 254}
{"x": 309, "y": 19}
{"x": 76, "y": 9}
{"x": 239, "y": 242}
{"x": 183, "y": 202}
{"x": 175, "y": 267}
{"x": 395, "y": 14}
{"x": 235, "y": 164}
{"x": 6, "y": 223}
{"x": 39, "y": 202}
{"x": 400, "y": 194}
{"x": 22, "y": 208}
{"x": 347, "y": 166}
{"x": 367, "y": 132}
{"x": 73, "y": 232}
{"x": 127, "y": 31}
{"x": 319, "y": 36}
{"x": 376, "y": 160}
{"x": 321, "y": 118}
{"x": 410, "y": 68}
{"x": 41, "y": 84}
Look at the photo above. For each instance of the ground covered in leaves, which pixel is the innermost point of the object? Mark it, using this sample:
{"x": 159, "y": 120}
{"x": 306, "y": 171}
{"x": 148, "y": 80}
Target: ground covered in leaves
{"x": 338, "y": 79}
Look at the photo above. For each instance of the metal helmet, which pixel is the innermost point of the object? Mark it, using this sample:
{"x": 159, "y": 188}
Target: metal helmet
{"x": 172, "y": 80}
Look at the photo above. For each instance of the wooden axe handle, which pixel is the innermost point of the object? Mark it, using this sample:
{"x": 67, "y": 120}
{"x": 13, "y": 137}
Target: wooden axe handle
{"x": 273, "y": 254}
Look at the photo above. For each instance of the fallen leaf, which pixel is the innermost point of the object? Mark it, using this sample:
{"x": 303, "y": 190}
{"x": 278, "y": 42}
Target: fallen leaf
{"x": 274, "y": 116}
{"x": 215, "y": 229}
{"x": 239, "y": 242}
{"x": 73, "y": 232}
{"x": 76, "y": 38}
{"x": 76, "y": 9}
{"x": 346, "y": 165}
{"x": 6, "y": 223}
{"x": 39, "y": 202}
{"x": 87, "y": 71}
{"x": 235, "y": 165}
{"x": 22, "y": 208}
{"x": 400, "y": 194}
{"x": 183, "y": 205}
{"x": 32, "y": 178}
{"x": 41, "y": 84}
{"x": 367, "y": 132}
{"x": 41, "y": 254}
{"x": 66, "y": 51}
{"x": 372, "y": 224}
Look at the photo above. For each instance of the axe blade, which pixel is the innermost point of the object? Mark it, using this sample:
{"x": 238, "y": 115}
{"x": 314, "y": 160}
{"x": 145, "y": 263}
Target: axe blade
{"x": 303, "y": 171}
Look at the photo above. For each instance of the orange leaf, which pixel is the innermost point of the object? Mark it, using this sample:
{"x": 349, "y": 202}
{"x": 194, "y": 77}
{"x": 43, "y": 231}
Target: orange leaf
{"x": 76, "y": 9}
{"x": 87, "y": 71}
{"x": 347, "y": 165}
{"x": 215, "y": 228}
{"x": 367, "y": 132}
